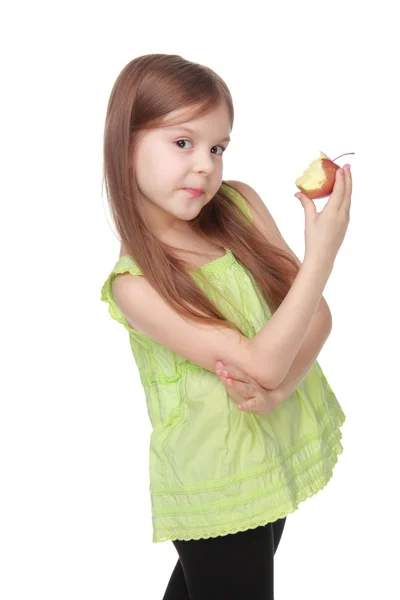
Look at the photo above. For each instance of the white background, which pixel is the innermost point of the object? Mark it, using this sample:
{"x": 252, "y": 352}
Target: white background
{"x": 75, "y": 519}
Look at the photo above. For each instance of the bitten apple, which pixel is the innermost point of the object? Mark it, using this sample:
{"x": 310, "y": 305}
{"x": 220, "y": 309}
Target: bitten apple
{"x": 318, "y": 180}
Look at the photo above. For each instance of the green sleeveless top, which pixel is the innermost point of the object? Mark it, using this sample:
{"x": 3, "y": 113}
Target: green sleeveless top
{"x": 213, "y": 469}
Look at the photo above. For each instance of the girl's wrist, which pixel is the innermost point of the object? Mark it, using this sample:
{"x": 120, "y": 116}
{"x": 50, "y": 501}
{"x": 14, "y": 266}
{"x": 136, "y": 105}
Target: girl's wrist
{"x": 280, "y": 393}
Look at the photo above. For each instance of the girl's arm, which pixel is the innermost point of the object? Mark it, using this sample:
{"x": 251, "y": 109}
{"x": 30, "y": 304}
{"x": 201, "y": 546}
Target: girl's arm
{"x": 269, "y": 398}
{"x": 321, "y": 323}
{"x": 316, "y": 336}
{"x": 266, "y": 358}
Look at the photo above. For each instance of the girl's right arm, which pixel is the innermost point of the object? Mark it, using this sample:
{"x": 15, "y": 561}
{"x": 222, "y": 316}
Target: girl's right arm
{"x": 266, "y": 358}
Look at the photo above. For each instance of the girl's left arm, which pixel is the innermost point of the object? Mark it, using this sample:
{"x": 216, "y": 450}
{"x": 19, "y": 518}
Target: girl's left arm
{"x": 252, "y": 396}
{"x": 316, "y": 336}
{"x": 321, "y": 324}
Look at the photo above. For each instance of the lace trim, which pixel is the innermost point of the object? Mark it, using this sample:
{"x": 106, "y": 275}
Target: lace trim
{"x": 127, "y": 263}
{"x": 217, "y": 265}
{"x": 115, "y": 313}
{"x": 306, "y": 492}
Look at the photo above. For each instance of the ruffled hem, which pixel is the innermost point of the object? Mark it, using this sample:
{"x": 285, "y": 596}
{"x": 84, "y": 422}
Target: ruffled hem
{"x": 297, "y": 494}
{"x": 251, "y": 523}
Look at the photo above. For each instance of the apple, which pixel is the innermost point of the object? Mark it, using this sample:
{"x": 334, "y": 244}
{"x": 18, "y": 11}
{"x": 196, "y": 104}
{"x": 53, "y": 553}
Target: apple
{"x": 318, "y": 180}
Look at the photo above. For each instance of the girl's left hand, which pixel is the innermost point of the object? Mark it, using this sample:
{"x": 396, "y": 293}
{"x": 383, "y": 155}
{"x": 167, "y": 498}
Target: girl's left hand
{"x": 247, "y": 393}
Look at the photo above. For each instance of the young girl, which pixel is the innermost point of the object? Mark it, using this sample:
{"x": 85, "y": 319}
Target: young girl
{"x": 225, "y": 324}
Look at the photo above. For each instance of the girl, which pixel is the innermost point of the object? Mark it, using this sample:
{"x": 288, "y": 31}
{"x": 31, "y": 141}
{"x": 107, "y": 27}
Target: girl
{"x": 225, "y": 324}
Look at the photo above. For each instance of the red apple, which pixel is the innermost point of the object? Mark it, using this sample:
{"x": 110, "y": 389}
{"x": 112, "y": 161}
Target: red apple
{"x": 318, "y": 180}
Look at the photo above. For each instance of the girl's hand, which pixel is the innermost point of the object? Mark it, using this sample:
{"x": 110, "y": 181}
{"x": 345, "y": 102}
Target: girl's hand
{"x": 247, "y": 393}
{"x": 325, "y": 230}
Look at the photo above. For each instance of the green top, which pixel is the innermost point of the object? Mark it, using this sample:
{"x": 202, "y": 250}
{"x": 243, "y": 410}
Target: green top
{"x": 213, "y": 469}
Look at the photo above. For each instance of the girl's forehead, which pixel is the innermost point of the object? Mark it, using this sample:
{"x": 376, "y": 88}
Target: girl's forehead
{"x": 192, "y": 115}
{"x": 179, "y": 117}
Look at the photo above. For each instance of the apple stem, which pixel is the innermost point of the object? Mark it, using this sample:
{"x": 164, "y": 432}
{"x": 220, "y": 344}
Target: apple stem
{"x": 343, "y": 155}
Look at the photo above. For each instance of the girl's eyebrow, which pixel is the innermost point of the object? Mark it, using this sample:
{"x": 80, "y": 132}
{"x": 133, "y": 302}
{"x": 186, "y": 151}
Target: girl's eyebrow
{"x": 226, "y": 139}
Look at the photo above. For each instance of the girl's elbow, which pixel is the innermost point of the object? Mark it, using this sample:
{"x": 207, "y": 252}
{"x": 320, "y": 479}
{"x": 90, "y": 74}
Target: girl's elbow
{"x": 269, "y": 377}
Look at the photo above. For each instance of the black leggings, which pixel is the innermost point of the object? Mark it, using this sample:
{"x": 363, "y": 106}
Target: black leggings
{"x": 238, "y": 566}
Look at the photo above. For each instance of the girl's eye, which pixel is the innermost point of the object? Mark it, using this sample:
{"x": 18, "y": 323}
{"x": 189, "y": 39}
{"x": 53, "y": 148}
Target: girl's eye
{"x": 179, "y": 141}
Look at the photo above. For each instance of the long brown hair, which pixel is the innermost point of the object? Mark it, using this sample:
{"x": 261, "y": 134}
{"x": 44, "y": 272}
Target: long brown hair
{"x": 146, "y": 90}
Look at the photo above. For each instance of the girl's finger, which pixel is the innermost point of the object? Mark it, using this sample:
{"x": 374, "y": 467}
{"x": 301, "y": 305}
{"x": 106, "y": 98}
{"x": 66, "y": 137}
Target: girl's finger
{"x": 349, "y": 189}
{"x": 233, "y": 390}
{"x": 236, "y": 373}
{"x": 337, "y": 196}
{"x": 228, "y": 383}
{"x": 248, "y": 405}
{"x": 244, "y": 389}
{"x": 237, "y": 398}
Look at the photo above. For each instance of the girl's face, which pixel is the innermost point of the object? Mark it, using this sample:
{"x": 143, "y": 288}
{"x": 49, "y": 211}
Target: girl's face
{"x": 169, "y": 159}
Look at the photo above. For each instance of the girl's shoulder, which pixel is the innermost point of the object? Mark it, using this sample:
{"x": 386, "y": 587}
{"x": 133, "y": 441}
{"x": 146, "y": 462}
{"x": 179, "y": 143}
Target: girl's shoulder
{"x": 236, "y": 190}
{"x": 261, "y": 216}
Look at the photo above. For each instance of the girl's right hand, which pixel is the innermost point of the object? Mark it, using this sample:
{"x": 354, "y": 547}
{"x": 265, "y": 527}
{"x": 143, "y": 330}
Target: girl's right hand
{"x": 246, "y": 392}
{"x": 325, "y": 231}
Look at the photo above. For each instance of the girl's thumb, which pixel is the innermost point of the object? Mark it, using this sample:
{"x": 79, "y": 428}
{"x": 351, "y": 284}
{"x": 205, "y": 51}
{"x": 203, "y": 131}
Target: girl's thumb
{"x": 308, "y": 205}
